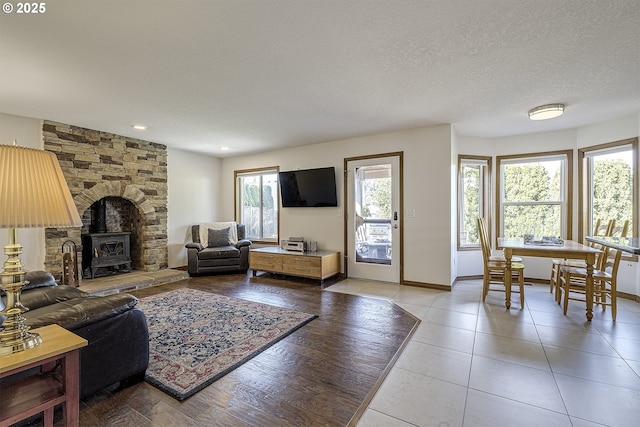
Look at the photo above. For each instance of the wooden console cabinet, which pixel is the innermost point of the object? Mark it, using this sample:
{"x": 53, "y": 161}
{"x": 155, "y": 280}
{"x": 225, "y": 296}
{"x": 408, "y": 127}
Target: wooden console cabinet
{"x": 315, "y": 265}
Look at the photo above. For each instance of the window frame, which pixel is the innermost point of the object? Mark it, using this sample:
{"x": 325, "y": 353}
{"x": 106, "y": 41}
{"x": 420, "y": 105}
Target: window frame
{"x": 585, "y": 186}
{"x": 484, "y": 198}
{"x": 567, "y": 204}
{"x": 237, "y": 175}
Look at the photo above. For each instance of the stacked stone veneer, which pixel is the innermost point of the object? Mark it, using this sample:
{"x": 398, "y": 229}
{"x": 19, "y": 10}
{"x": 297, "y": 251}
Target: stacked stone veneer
{"x": 99, "y": 164}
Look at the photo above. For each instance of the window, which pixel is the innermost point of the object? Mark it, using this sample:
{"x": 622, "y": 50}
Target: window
{"x": 473, "y": 198}
{"x": 257, "y": 203}
{"x": 534, "y": 194}
{"x": 609, "y": 185}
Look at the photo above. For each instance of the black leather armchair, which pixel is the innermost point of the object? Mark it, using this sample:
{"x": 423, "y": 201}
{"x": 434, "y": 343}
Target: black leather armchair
{"x": 214, "y": 259}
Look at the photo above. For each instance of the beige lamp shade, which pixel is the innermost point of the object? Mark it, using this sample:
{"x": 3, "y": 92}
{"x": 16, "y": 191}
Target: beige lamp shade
{"x": 33, "y": 190}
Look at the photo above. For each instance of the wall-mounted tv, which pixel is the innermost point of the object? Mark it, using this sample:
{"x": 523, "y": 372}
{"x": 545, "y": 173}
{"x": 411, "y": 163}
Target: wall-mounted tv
{"x": 308, "y": 188}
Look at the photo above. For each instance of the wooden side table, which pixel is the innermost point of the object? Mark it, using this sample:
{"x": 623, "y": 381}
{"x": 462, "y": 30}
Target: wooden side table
{"x": 42, "y": 392}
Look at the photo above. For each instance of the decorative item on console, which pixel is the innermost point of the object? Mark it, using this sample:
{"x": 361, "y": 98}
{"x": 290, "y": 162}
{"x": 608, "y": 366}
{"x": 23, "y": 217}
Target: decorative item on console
{"x": 298, "y": 244}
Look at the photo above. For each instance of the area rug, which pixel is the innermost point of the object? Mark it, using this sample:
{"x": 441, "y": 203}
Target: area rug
{"x": 197, "y": 337}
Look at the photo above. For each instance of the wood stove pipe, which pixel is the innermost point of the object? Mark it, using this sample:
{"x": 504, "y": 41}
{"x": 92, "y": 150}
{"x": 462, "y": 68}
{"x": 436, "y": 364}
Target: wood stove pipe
{"x": 99, "y": 224}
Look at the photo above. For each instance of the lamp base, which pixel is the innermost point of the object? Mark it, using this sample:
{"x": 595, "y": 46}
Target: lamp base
{"x": 24, "y": 342}
{"x": 14, "y": 334}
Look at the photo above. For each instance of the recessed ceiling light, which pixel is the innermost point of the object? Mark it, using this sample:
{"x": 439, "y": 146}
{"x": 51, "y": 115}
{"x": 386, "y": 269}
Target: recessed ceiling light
{"x": 139, "y": 127}
{"x": 545, "y": 112}
{"x": 224, "y": 148}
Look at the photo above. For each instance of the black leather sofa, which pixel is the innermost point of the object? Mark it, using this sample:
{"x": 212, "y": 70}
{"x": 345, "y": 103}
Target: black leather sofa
{"x": 216, "y": 259}
{"x": 113, "y": 325}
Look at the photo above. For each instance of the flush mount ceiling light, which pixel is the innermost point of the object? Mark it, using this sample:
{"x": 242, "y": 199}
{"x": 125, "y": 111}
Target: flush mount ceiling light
{"x": 139, "y": 127}
{"x": 545, "y": 112}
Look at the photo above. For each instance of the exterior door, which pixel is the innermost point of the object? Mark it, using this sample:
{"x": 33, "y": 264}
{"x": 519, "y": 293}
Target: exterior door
{"x": 373, "y": 217}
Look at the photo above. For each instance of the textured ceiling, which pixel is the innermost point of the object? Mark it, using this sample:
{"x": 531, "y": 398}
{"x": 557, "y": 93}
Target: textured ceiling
{"x": 257, "y": 75}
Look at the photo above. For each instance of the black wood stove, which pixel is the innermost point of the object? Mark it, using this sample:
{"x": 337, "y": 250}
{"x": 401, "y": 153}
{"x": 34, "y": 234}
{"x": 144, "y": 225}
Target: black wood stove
{"x": 105, "y": 253}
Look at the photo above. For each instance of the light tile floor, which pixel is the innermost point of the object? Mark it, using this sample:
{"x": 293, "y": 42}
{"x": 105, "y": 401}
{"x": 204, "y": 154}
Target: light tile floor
{"x": 478, "y": 364}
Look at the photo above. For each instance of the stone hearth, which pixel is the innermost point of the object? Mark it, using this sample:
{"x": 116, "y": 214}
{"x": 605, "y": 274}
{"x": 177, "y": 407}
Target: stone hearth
{"x": 100, "y": 165}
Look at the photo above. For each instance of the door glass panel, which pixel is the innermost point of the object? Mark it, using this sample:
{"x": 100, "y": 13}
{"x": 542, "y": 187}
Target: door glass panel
{"x": 373, "y": 212}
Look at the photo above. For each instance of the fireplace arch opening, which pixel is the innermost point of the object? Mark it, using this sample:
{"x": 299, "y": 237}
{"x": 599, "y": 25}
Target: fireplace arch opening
{"x": 127, "y": 210}
{"x": 110, "y": 234}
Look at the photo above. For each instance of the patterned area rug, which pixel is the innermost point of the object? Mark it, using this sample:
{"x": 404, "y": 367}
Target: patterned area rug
{"x": 197, "y": 337}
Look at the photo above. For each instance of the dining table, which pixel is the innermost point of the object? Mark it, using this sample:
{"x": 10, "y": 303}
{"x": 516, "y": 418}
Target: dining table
{"x": 553, "y": 248}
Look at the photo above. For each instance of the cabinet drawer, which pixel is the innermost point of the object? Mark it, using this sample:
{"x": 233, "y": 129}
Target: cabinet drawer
{"x": 302, "y": 270}
{"x": 265, "y": 262}
{"x": 302, "y": 266}
{"x": 302, "y": 261}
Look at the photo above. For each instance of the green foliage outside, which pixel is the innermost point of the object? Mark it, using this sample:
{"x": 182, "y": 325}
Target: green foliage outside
{"x": 532, "y": 195}
{"x": 612, "y": 198}
{"x": 254, "y": 212}
{"x": 377, "y": 197}
{"x": 533, "y": 184}
{"x": 471, "y": 204}
{"x": 251, "y": 196}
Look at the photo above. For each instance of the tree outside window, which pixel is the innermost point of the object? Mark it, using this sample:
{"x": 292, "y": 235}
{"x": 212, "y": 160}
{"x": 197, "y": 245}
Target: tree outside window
{"x": 533, "y": 195}
{"x": 376, "y": 191}
{"x": 611, "y": 184}
{"x": 473, "y": 191}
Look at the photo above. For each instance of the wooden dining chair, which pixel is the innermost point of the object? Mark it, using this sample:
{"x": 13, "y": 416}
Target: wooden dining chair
{"x": 494, "y": 269}
{"x": 493, "y": 255}
{"x": 600, "y": 228}
{"x": 605, "y": 290}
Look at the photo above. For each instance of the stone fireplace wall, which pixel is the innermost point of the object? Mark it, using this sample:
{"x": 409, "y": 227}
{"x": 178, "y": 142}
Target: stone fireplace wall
{"x": 99, "y": 164}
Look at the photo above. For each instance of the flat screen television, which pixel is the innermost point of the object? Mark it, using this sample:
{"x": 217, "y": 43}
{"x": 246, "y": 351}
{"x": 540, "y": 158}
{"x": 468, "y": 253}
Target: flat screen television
{"x": 308, "y": 188}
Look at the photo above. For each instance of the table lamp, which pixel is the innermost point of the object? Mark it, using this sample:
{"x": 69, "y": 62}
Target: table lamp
{"x": 33, "y": 193}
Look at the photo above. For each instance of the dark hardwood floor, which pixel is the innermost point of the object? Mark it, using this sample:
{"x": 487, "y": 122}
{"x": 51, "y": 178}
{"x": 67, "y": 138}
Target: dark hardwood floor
{"x": 323, "y": 374}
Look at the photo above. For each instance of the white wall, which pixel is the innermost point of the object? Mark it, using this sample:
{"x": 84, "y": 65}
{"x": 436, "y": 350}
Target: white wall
{"x": 427, "y": 163}
{"x": 28, "y": 133}
{"x": 194, "y": 194}
{"x": 609, "y": 131}
{"x": 470, "y": 262}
